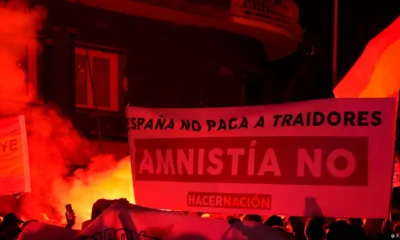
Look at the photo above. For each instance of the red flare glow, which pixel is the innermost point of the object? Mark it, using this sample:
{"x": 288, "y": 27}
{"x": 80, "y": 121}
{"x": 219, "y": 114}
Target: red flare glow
{"x": 53, "y": 143}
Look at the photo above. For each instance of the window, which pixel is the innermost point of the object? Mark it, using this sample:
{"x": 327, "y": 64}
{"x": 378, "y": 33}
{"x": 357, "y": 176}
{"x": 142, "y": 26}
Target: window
{"x": 104, "y": 68}
{"x": 24, "y": 51}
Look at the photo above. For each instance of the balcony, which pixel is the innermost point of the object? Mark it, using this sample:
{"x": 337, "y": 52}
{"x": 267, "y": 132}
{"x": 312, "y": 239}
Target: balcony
{"x": 272, "y": 22}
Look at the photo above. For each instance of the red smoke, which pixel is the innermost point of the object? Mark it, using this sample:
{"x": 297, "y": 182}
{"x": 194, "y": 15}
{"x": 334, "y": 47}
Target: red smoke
{"x": 53, "y": 144}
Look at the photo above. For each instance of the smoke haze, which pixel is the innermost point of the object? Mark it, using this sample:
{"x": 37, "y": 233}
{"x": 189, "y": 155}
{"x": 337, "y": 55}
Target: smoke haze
{"x": 54, "y": 145}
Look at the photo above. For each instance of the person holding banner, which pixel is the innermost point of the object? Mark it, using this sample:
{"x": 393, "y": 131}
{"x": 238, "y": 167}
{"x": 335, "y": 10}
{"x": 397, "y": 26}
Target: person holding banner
{"x": 99, "y": 207}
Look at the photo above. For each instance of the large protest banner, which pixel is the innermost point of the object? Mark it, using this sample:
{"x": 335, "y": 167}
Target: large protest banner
{"x": 14, "y": 158}
{"x": 127, "y": 221}
{"x": 331, "y": 157}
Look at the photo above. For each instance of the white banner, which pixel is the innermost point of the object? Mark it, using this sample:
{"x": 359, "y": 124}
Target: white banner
{"x": 126, "y": 221}
{"x": 296, "y": 159}
{"x": 14, "y": 157}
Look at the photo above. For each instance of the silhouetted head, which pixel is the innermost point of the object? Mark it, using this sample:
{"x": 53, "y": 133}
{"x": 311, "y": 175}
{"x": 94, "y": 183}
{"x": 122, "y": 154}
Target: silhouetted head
{"x": 232, "y": 220}
{"x": 274, "y": 220}
{"x": 252, "y": 218}
{"x": 100, "y": 206}
{"x": 11, "y": 219}
{"x": 356, "y": 222}
{"x": 11, "y": 224}
{"x": 339, "y": 230}
{"x": 314, "y": 229}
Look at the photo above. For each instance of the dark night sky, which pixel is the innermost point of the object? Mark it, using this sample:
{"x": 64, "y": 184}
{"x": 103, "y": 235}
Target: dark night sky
{"x": 359, "y": 21}
{"x": 304, "y": 78}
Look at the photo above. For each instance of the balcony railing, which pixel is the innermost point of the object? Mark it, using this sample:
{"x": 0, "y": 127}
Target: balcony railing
{"x": 273, "y": 22}
{"x": 278, "y": 16}
{"x": 282, "y": 12}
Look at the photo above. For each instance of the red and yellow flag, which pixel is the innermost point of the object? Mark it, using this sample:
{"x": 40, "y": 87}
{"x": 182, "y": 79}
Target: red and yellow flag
{"x": 376, "y": 73}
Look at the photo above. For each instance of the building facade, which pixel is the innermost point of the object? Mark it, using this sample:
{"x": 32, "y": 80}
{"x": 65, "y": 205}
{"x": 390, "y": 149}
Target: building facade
{"x": 157, "y": 53}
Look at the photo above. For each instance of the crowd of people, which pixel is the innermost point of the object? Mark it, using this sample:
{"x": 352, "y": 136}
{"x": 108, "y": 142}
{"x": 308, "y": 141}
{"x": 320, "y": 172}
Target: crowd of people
{"x": 300, "y": 228}
{"x": 319, "y": 228}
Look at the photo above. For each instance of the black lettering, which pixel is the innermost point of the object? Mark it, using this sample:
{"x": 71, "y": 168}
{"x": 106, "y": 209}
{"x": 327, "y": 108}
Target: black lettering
{"x": 160, "y": 123}
{"x": 286, "y": 120}
{"x": 109, "y": 234}
{"x": 309, "y": 114}
{"x": 244, "y": 123}
{"x": 334, "y": 118}
{"x": 185, "y": 125}
{"x": 298, "y": 120}
{"x": 232, "y": 123}
{"x": 210, "y": 124}
{"x": 126, "y": 234}
{"x": 120, "y": 233}
{"x": 349, "y": 119}
{"x": 276, "y": 119}
{"x": 377, "y": 119}
{"x": 222, "y": 125}
{"x": 140, "y": 122}
{"x": 260, "y": 122}
{"x": 170, "y": 125}
{"x": 96, "y": 236}
{"x": 133, "y": 122}
{"x": 318, "y": 119}
{"x": 149, "y": 125}
{"x": 362, "y": 119}
{"x": 196, "y": 126}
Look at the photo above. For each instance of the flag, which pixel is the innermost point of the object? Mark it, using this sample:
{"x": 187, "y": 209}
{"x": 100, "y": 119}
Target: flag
{"x": 376, "y": 73}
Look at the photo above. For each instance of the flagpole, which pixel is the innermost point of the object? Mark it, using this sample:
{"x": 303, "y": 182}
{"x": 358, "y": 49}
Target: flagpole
{"x": 335, "y": 42}
{"x": 394, "y": 158}
{"x": 243, "y": 95}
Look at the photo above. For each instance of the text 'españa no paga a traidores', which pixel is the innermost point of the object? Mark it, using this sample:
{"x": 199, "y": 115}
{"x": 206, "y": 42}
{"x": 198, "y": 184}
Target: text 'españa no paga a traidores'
{"x": 306, "y": 119}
